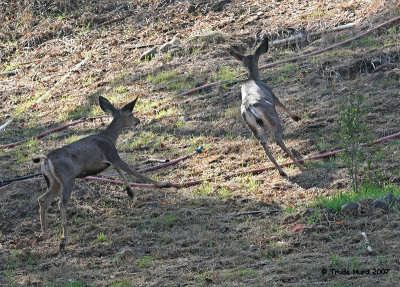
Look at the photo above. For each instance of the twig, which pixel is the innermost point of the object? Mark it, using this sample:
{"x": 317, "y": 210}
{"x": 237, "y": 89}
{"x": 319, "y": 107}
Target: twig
{"x": 303, "y": 35}
{"x": 2, "y": 127}
{"x": 367, "y": 241}
{"x": 115, "y": 20}
{"x": 13, "y": 72}
{"x": 150, "y": 160}
{"x": 257, "y": 212}
{"x": 75, "y": 68}
{"x": 144, "y": 46}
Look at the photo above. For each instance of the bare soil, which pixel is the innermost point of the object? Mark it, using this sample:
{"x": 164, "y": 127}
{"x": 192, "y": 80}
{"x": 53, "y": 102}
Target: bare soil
{"x": 200, "y": 235}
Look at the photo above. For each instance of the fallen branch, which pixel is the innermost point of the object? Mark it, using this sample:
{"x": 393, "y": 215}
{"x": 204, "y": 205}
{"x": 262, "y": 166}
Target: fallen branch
{"x": 144, "y": 46}
{"x": 113, "y": 20}
{"x": 257, "y": 212}
{"x": 295, "y": 59}
{"x": 13, "y": 72}
{"x": 10, "y": 145}
{"x": 75, "y": 68}
{"x": 3, "y": 126}
{"x": 367, "y": 241}
{"x": 303, "y": 35}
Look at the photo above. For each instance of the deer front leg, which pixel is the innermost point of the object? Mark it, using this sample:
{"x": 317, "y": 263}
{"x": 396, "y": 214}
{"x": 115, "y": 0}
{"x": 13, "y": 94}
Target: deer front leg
{"x": 120, "y": 164}
{"x": 128, "y": 187}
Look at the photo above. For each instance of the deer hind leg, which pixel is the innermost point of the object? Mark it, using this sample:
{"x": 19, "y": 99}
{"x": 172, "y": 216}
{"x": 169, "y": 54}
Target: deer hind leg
{"x": 280, "y": 105}
{"x": 260, "y": 133}
{"x": 66, "y": 190}
{"x": 53, "y": 190}
{"x": 279, "y": 141}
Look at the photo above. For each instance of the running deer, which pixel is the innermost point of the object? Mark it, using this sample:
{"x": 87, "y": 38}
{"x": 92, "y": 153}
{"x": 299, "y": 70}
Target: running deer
{"x": 258, "y": 105}
{"x": 87, "y": 156}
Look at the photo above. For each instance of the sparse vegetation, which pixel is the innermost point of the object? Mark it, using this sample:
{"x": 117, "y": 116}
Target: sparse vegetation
{"x": 220, "y": 233}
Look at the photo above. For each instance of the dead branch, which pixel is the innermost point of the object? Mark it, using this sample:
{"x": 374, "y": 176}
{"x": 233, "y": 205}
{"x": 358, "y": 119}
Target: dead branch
{"x": 256, "y": 212}
{"x": 45, "y": 95}
{"x": 113, "y": 20}
{"x": 2, "y": 127}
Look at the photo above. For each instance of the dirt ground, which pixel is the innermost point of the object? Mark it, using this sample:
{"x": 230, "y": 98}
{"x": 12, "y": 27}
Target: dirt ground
{"x": 242, "y": 231}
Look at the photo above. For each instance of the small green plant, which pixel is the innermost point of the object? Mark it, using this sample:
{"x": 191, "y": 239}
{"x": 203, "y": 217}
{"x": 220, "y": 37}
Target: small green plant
{"x": 123, "y": 283}
{"x": 336, "y": 260}
{"x": 224, "y": 192}
{"x": 353, "y": 132}
{"x": 26, "y": 149}
{"x": 161, "y": 78}
{"x": 205, "y": 188}
{"x": 31, "y": 260}
{"x": 226, "y": 74}
{"x": 120, "y": 90}
{"x": 249, "y": 183}
{"x": 101, "y": 237}
{"x": 171, "y": 219}
{"x": 78, "y": 283}
{"x": 7, "y": 273}
{"x": 145, "y": 261}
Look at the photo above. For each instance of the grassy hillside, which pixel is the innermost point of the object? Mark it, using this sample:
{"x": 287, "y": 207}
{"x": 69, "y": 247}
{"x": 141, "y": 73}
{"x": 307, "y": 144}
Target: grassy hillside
{"x": 58, "y": 57}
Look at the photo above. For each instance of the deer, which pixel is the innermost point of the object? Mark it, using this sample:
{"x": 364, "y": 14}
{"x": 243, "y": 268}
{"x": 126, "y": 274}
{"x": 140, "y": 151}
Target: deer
{"x": 258, "y": 107}
{"x": 87, "y": 156}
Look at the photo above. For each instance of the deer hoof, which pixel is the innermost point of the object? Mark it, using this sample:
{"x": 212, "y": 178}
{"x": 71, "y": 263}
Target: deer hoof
{"x": 282, "y": 173}
{"x": 296, "y": 118}
{"x": 130, "y": 192}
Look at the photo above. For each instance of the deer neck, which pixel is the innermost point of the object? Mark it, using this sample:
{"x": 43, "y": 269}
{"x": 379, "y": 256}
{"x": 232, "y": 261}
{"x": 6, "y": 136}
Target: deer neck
{"x": 253, "y": 72}
{"x": 114, "y": 129}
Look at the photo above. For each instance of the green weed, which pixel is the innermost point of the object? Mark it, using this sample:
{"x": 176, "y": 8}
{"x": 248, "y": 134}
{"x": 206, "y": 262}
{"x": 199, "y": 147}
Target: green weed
{"x": 171, "y": 219}
{"x": 26, "y": 150}
{"x": 226, "y": 74}
{"x": 123, "y": 283}
{"x": 162, "y": 78}
{"x": 101, "y": 237}
{"x": 336, "y": 201}
{"x": 145, "y": 261}
{"x": 78, "y": 283}
{"x": 204, "y": 189}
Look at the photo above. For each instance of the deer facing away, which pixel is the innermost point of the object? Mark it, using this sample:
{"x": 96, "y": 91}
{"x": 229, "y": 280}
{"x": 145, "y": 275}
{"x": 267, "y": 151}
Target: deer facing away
{"x": 258, "y": 105}
{"x": 87, "y": 156}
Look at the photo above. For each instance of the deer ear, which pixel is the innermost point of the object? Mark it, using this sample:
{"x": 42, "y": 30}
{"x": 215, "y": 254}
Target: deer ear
{"x": 129, "y": 107}
{"x": 237, "y": 56}
{"x": 263, "y": 47}
{"x": 106, "y": 106}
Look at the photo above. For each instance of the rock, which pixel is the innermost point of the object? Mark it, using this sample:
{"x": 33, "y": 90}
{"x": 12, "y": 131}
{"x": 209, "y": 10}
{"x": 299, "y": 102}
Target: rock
{"x": 377, "y": 203}
{"x": 308, "y": 212}
{"x": 351, "y": 208}
{"x": 125, "y": 252}
{"x": 208, "y": 36}
{"x": 390, "y": 198}
{"x": 148, "y": 55}
{"x": 165, "y": 47}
